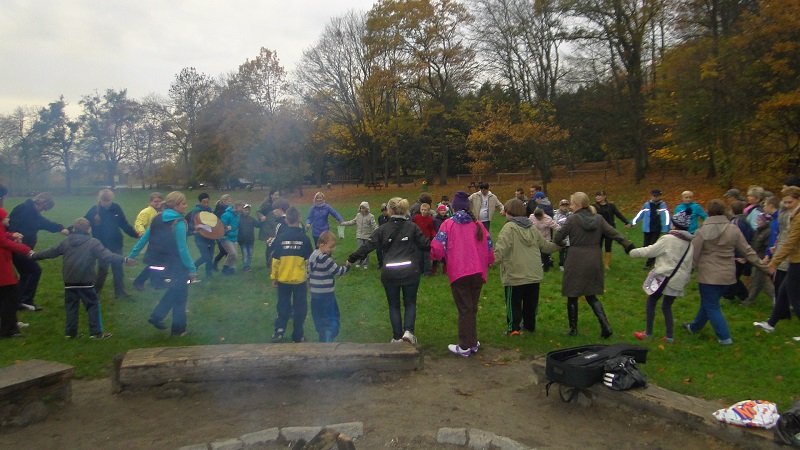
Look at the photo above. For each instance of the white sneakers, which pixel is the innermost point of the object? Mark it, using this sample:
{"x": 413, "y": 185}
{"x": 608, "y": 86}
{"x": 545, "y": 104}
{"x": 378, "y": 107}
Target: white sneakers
{"x": 409, "y": 337}
{"x": 764, "y": 326}
{"x": 456, "y": 349}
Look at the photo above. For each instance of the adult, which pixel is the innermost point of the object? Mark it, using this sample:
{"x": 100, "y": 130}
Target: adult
{"x": 784, "y": 264}
{"x": 204, "y": 245}
{"x": 9, "y": 245}
{"x": 107, "y": 219}
{"x": 317, "y": 219}
{"x": 465, "y": 244}
{"x": 693, "y": 210}
{"x": 583, "y": 271}
{"x": 732, "y": 195}
{"x": 484, "y": 204}
{"x": 755, "y": 196}
{"x": 673, "y": 254}
{"x": 168, "y": 258}
{"x": 519, "y": 194}
{"x": 654, "y": 217}
{"x": 739, "y": 218}
{"x": 608, "y": 211}
{"x": 27, "y": 219}
{"x": 400, "y": 242}
{"x": 141, "y": 224}
{"x": 714, "y": 245}
{"x": 518, "y": 251}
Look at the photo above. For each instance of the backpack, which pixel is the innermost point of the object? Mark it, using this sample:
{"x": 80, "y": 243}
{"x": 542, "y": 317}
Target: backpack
{"x": 787, "y": 430}
{"x": 621, "y": 374}
{"x": 581, "y": 367}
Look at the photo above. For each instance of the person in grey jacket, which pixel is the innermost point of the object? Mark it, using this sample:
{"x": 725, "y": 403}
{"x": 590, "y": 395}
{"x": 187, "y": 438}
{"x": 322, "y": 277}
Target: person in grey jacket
{"x": 713, "y": 258}
{"x": 81, "y": 252}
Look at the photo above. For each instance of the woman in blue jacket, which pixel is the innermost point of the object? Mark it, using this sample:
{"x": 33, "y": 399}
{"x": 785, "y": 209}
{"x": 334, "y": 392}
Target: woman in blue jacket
{"x": 317, "y": 218}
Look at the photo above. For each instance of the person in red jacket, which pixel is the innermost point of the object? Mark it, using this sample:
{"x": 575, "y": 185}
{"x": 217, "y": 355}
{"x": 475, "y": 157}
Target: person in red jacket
{"x": 424, "y": 220}
{"x": 9, "y": 243}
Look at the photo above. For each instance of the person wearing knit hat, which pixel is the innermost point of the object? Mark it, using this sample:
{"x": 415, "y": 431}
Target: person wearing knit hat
{"x": 460, "y": 201}
{"x": 693, "y": 210}
{"x": 365, "y": 225}
{"x": 673, "y": 258}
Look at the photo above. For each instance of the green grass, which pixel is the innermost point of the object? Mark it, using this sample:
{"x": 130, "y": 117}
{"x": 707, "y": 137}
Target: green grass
{"x": 241, "y": 309}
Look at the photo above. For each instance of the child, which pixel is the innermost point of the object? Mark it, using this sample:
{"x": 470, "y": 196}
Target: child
{"x": 560, "y": 218}
{"x": 9, "y": 295}
{"x": 290, "y": 251}
{"x": 424, "y": 221}
{"x": 445, "y": 201}
{"x": 365, "y": 226}
{"x": 317, "y": 219}
{"x": 142, "y": 223}
{"x": 518, "y": 250}
{"x": 246, "y": 236}
{"x": 230, "y": 219}
{"x": 654, "y": 216}
{"x": 276, "y": 220}
{"x": 442, "y": 214}
{"x": 546, "y": 226}
{"x": 321, "y": 272}
{"x": 81, "y": 252}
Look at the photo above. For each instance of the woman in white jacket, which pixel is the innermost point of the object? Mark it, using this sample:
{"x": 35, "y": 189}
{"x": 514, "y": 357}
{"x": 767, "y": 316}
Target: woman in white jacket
{"x": 668, "y": 251}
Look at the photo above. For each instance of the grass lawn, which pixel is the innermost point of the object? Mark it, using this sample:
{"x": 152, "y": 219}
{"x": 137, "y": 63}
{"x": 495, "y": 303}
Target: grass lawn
{"x": 241, "y": 309}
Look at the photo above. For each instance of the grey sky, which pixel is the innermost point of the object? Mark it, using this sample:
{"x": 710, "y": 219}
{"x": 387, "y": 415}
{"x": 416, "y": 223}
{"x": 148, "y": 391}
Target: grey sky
{"x": 74, "y": 47}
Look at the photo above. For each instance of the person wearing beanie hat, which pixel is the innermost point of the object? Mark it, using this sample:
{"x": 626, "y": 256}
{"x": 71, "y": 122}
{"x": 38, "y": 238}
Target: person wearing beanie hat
{"x": 692, "y": 209}
{"x": 9, "y": 295}
{"x": 673, "y": 256}
{"x": 365, "y": 225}
{"x": 483, "y": 204}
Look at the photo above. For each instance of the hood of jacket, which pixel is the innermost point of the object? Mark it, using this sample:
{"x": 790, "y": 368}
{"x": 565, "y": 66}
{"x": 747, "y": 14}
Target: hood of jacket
{"x": 77, "y": 238}
{"x": 522, "y": 231}
{"x": 587, "y": 220}
{"x": 522, "y": 221}
{"x": 682, "y": 235}
{"x": 461, "y": 217}
{"x": 713, "y": 228}
{"x": 170, "y": 214}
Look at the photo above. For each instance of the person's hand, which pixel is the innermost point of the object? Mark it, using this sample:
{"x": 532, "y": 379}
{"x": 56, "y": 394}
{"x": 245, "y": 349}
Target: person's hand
{"x": 628, "y": 225}
{"x": 771, "y": 270}
{"x": 228, "y": 228}
{"x": 130, "y": 262}
{"x": 17, "y": 237}
{"x": 348, "y": 263}
{"x": 31, "y": 253}
{"x": 629, "y": 248}
{"x": 192, "y": 277}
{"x": 274, "y": 283}
{"x": 64, "y": 231}
{"x": 739, "y": 260}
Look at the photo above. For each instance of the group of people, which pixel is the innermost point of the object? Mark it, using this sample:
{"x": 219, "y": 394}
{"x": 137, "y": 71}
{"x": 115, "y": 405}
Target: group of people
{"x": 718, "y": 242}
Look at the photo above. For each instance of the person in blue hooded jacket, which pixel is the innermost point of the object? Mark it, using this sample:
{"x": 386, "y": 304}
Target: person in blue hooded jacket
{"x": 230, "y": 219}
{"x": 168, "y": 258}
{"x": 317, "y": 218}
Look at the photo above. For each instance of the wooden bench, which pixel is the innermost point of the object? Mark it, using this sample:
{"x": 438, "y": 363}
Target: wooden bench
{"x": 33, "y": 382}
{"x": 148, "y": 367}
{"x": 375, "y": 186}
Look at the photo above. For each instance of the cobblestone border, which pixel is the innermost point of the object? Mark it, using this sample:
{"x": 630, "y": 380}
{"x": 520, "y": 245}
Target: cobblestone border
{"x": 477, "y": 439}
{"x": 353, "y": 430}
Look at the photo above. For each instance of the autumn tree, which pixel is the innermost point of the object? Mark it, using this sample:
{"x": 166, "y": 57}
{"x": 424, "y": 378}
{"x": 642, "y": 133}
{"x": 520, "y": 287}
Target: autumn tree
{"x": 106, "y": 123}
{"x": 54, "y": 135}
{"x": 263, "y": 80}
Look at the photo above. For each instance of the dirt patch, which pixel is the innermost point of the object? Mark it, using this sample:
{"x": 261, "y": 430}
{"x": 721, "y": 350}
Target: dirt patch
{"x": 495, "y": 391}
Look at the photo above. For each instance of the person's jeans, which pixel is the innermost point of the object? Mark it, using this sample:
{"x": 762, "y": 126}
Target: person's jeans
{"x": 292, "y": 303}
{"x": 409, "y": 291}
{"x": 116, "y": 271}
{"x": 174, "y": 299}
{"x": 710, "y": 311}
{"x": 325, "y": 313}
{"x": 364, "y": 262}
{"x": 247, "y": 255}
{"x": 29, "y": 274}
{"x": 73, "y": 297}
{"x": 206, "y": 248}
{"x": 230, "y": 252}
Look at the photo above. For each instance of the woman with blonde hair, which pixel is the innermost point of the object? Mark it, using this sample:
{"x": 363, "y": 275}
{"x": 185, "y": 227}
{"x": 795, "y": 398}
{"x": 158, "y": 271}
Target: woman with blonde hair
{"x": 400, "y": 240}
{"x": 107, "y": 219}
{"x": 583, "y": 271}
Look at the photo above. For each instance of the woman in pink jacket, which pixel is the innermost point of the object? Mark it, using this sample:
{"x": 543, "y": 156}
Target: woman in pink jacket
{"x": 466, "y": 245}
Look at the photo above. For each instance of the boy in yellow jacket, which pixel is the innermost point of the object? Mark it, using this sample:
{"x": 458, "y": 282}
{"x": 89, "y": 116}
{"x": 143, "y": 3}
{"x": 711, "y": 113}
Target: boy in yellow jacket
{"x": 290, "y": 251}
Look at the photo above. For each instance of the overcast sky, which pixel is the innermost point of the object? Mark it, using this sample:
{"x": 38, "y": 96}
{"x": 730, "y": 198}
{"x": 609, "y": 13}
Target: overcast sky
{"x": 50, "y": 48}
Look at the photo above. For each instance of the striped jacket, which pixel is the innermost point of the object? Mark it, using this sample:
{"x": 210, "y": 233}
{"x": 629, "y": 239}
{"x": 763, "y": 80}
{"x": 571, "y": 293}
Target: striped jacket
{"x": 321, "y": 272}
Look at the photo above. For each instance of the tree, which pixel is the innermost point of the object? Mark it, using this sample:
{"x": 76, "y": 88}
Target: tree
{"x": 188, "y": 94}
{"x": 148, "y": 138}
{"x": 55, "y": 135}
{"x": 106, "y": 122}
{"x": 263, "y": 80}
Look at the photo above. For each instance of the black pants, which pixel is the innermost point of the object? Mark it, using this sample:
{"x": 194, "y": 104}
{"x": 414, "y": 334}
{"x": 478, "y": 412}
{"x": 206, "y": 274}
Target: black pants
{"x": 406, "y": 320}
{"x": 788, "y": 294}
{"x": 9, "y": 301}
{"x": 650, "y": 238}
{"x": 522, "y": 302}
{"x": 29, "y": 274}
{"x": 292, "y": 304}
{"x": 116, "y": 270}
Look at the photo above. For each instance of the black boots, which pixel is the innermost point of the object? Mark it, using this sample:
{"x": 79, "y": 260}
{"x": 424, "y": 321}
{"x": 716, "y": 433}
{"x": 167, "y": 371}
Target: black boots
{"x": 572, "y": 316}
{"x": 597, "y": 307}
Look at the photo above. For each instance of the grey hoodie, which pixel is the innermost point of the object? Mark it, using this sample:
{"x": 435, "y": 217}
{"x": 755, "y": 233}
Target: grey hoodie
{"x": 81, "y": 253}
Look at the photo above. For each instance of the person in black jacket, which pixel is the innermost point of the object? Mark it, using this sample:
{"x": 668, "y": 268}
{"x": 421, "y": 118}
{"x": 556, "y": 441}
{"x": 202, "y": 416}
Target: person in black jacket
{"x": 26, "y": 219}
{"x": 400, "y": 241}
{"x": 607, "y": 211}
{"x": 107, "y": 219}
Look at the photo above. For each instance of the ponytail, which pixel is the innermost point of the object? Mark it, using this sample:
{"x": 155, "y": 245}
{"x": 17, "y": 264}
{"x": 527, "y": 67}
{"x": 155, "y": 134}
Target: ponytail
{"x": 478, "y": 227}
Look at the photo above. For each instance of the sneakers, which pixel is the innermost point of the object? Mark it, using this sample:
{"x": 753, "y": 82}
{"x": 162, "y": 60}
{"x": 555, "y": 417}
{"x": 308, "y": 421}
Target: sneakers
{"x": 514, "y": 333}
{"x": 728, "y": 341}
{"x": 297, "y": 341}
{"x": 179, "y": 334}
{"x": 796, "y": 338}
{"x": 764, "y": 326}
{"x": 278, "y": 335}
{"x": 157, "y": 323}
{"x": 456, "y": 349}
{"x": 409, "y": 337}
{"x": 688, "y": 327}
{"x": 100, "y": 336}
{"x": 667, "y": 340}
{"x": 23, "y": 325}
{"x": 395, "y": 341}
{"x": 561, "y": 268}
{"x": 640, "y": 335}
{"x": 476, "y": 347}
{"x": 26, "y": 306}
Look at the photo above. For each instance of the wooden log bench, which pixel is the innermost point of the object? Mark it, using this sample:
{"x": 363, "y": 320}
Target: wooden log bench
{"x": 27, "y": 388}
{"x": 375, "y": 186}
{"x": 148, "y": 367}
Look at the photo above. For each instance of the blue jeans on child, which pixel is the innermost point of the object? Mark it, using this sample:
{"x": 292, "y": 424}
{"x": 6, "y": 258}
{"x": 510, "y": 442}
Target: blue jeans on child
{"x": 73, "y": 297}
{"x": 325, "y": 313}
{"x": 174, "y": 300}
{"x": 247, "y": 254}
{"x": 206, "y": 248}
{"x": 710, "y": 311}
